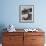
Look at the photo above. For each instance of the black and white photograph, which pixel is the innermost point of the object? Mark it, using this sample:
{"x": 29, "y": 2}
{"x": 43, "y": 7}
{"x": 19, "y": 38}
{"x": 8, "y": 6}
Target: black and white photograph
{"x": 26, "y": 13}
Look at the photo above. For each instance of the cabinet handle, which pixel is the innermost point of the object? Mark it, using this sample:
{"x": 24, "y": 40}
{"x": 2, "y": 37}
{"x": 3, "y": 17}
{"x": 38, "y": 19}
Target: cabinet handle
{"x": 11, "y": 38}
{"x": 33, "y": 39}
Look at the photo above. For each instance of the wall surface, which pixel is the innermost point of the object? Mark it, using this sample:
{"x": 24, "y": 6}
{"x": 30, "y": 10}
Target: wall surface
{"x": 10, "y": 13}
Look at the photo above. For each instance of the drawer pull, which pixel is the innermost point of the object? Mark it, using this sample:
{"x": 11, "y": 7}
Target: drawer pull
{"x": 11, "y": 38}
{"x": 33, "y": 39}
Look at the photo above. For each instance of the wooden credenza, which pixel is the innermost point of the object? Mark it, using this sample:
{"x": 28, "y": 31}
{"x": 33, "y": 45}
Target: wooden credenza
{"x": 23, "y": 39}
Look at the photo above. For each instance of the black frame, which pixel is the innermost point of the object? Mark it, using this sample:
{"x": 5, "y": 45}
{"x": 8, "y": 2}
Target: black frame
{"x": 28, "y": 11}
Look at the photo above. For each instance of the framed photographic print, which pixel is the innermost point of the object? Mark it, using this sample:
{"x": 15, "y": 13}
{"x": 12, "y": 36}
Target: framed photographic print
{"x": 26, "y": 13}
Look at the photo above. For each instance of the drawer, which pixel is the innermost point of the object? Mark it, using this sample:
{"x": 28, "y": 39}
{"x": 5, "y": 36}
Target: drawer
{"x": 18, "y": 44}
{"x": 12, "y": 38}
{"x": 33, "y": 39}
{"x": 34, "y": 33}
{"x": 37, "y": 39}
{"x": 13, "y": 33}
{"x": 13, "y": 41}
{"x": 37, "y": 44}
{"x": 8, "y": 45}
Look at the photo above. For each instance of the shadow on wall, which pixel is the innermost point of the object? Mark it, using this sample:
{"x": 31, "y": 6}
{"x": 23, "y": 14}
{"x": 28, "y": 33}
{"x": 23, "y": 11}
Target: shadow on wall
{"x": 2, "y": 26}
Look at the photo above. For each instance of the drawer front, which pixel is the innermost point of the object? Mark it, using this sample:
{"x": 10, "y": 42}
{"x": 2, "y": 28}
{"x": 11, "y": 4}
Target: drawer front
{"x": 13, "y": 33}
{"x": 37, "y": 45}
{"x": 34, "y": 33}
{"x": 37, "y": 39}
{"x": 12, "y": 45}
{"x": 12, "y": 39}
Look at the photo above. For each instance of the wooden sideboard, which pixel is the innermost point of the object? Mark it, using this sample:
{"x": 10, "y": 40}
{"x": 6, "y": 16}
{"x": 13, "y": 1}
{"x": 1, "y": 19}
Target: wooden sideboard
{"x": 23, "y": 39}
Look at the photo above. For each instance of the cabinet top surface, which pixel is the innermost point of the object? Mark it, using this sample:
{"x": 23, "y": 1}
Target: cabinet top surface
{"x": 22, "y": 30}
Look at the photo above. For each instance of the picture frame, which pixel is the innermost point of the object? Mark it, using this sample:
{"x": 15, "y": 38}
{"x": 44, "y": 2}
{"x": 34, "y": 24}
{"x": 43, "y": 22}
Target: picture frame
{"x": 26, "y": 13}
